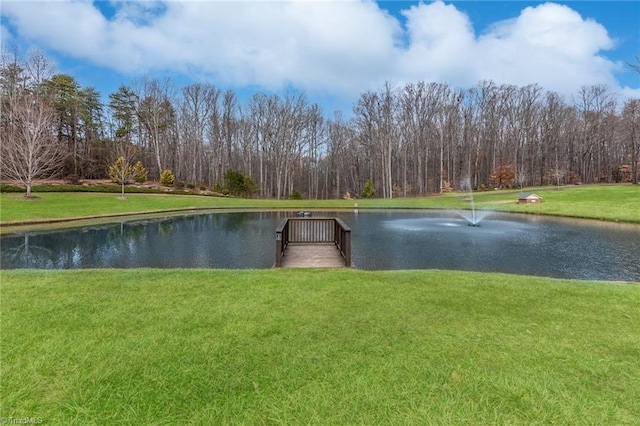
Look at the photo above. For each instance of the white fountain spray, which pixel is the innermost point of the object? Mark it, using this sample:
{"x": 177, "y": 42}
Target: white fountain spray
{"x": 474, "y": 220}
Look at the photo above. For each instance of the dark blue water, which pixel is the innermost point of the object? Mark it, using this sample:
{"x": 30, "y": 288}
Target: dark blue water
{"x": 380, "y": 240}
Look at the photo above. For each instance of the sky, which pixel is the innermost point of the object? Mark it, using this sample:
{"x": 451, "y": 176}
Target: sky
{"x": 333, "y": 50}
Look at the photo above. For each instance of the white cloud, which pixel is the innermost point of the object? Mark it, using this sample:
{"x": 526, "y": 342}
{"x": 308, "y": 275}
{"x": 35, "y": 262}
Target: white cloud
{"x": 629, "y": 93}
{"x": 5, "y": 35}
{"x": 331, "y": 47}
{"x": 441, "y": 45}
{"x": 72, "y": 28}
{"x": 550, "y": 45}
{"x": 312, "y": 45}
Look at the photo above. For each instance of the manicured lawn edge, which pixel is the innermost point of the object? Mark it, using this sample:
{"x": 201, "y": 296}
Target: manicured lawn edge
{"x": 613, "y": 203}
{"x": 158, "y": 346}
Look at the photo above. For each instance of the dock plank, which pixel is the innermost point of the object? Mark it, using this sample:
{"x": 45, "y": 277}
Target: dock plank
{"x": 312, "y": 256}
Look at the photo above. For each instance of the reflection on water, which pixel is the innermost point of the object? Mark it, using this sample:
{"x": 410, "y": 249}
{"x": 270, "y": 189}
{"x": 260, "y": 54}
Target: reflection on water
{"x": 201, "y": 241}
{"x": 512, "y": 244}
{"x": 381, "y": 240}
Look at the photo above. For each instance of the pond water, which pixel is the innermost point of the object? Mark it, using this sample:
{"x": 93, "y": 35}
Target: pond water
{"x": 380, "y": 240}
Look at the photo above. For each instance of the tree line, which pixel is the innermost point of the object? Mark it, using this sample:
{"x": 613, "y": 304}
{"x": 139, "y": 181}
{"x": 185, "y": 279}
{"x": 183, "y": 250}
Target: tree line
{"x": 407, "y": 139}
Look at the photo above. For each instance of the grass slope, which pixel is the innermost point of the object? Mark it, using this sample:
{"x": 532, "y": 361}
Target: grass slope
{"x": 317, "y": 347}
{"x": 606, "y": 202}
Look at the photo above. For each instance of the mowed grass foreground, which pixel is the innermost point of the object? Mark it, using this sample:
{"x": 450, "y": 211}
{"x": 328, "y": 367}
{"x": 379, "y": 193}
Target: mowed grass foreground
{"x": 317, "y": 347}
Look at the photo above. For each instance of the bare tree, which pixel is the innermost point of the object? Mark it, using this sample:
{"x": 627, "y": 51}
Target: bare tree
{"x": 314, "y": 134}
{"x": 551, "y": 134}
{"x": 417, "y": 109}
{"x": 200, "y": 128}
{"x": 29, "y": 147}
{"x": 342, "y": 156}
{"x": 595, "y": 105}
{"x": 375, "y": 117}
{"x": 521, "y": 178}
{"x": 230, "y": 128}
{"x": 38, "y": 67}
{"x": 156, "y": 115}
{"x": 288, "y": 144}
{"x": 636, "y": 66}
{"x": 258, "y": 119}
{"x": 419, "y": 138}
{"x": 631, "y": 126}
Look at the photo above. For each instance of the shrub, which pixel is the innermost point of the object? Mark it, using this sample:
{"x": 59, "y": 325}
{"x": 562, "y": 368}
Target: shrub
{"x": 238, "y": 184}
{"x": 107, "y": 188}
{"x": 73, "y": 179}
{"x": 217, "y": 188}
{"x": 11, "y": 188}
{"x": 139, "y": 173}
{"x": 369, "y": 191}
{"x": 503, "y": 176}
{"x": 296, "y": 195}
{"x": 190, "y": 185}
{"x": 167, "y": 178}
{"x": 178, "y": 184}
{"x": 203, "y": 188}
{"x": 347, "y": 196}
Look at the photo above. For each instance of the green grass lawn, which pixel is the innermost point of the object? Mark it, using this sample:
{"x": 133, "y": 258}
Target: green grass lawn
{"x": 317, "y": 347}
{"x": 607, "y": 202}
{"x": 603, "y": 202}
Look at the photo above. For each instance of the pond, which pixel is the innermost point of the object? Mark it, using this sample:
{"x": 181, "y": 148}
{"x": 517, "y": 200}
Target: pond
{"x": 381, "y": 240}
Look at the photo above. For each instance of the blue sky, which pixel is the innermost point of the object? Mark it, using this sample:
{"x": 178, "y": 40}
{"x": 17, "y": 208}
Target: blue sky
{"x": 333, "y": 50}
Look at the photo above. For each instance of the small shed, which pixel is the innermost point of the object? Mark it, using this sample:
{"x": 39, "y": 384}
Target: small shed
{"x": 529, "y": 197}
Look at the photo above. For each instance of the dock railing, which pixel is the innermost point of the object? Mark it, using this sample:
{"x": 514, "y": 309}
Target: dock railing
{"x": 313, "y": 230}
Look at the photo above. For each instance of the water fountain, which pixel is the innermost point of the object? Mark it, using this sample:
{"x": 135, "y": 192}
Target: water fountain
{"x": 475, "y": 222}
{"x": 474, "y": 217}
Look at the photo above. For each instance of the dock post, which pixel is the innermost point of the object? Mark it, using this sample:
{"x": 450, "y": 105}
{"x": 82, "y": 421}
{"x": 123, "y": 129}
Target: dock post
{"x": 281, "y": 244}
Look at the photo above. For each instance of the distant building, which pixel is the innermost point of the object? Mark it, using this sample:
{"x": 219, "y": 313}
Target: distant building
{"x": 528, "y": 197}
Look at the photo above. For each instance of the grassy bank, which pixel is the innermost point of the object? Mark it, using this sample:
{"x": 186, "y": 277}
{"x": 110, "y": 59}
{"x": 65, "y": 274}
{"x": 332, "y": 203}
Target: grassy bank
{"x": 317, "y": 347}
{"x": 602, "y": 202}
{"x": 610, "y": 202}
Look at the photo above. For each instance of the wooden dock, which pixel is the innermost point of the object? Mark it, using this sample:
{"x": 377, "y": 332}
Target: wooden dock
{"x": 305, "y": 242}
{"x": 324, "y": 255}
